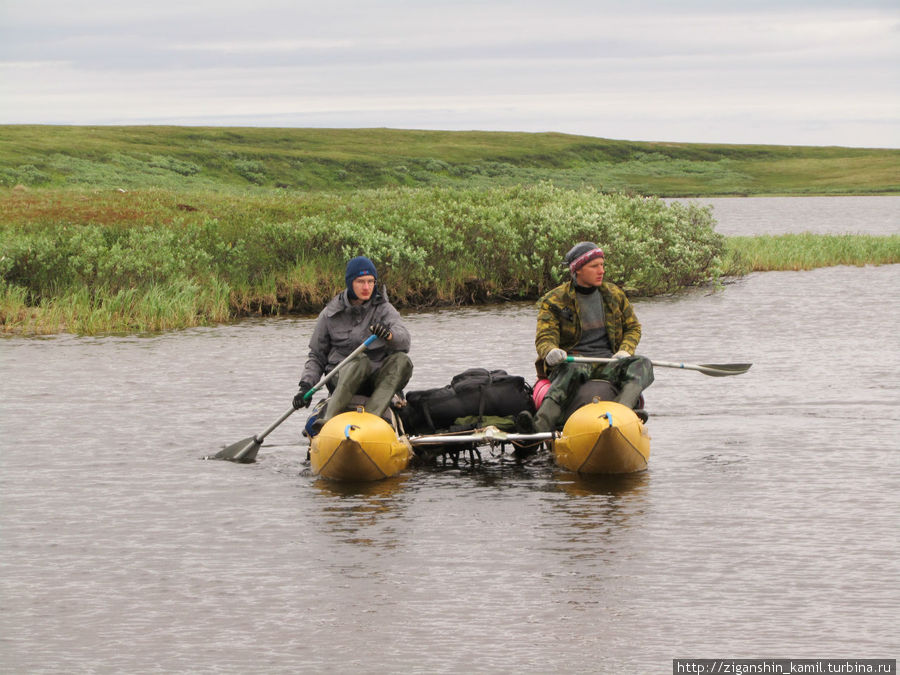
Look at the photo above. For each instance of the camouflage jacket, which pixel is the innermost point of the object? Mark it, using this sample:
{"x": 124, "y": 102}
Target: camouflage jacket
{"x": 558, "y": 323}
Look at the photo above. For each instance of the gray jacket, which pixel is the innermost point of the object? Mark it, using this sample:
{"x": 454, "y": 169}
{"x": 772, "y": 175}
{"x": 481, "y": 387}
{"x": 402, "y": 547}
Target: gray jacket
{"x": 342, "y": 327}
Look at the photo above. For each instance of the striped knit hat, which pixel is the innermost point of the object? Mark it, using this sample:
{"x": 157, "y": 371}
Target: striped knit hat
{"x": 581, "y": 254}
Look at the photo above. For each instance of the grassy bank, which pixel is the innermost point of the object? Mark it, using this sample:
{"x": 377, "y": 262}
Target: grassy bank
{"x": 112, "y": 262}
{"x": 146, "y": 261}
{"x": 242, "y": 158}
{"x": 129, "y": 229}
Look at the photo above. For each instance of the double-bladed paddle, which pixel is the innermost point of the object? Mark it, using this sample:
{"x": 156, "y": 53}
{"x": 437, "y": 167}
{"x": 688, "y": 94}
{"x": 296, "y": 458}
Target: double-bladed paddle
{"x": 712, "y": 369}
{"x": 245, "y": 451}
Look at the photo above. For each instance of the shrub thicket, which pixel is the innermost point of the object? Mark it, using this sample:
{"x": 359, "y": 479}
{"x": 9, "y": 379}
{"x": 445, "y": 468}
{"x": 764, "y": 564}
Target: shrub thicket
{"x": 435, "y": 246}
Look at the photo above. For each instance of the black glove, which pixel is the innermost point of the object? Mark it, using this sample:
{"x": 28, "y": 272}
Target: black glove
{"x": 381, "y": 330}
{"x": 299, "y": 401}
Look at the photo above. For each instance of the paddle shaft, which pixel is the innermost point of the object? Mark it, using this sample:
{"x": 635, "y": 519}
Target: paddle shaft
{"x": 258, "y": 439}
{"x": 478, "y": 437}
{"x": 308, "y": 395}
{"x": 713, "y": 369}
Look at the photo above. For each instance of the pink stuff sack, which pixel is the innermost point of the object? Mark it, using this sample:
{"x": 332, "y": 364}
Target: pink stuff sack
{"x": 539, "y": 391}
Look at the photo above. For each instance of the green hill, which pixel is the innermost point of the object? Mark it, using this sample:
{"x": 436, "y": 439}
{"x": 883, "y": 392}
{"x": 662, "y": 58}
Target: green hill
{"x": 220, "y": 158}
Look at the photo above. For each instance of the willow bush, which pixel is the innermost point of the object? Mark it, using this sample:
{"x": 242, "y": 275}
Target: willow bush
{"x": 432, "y": 246}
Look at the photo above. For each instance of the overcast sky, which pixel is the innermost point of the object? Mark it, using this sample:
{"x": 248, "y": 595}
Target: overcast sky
{"x": 787, "y": 72}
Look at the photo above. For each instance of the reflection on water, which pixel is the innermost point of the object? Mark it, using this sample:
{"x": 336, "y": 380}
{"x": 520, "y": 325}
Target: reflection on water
{"x": 768, "y": 494}
{"x": 374, "y": 493}
{"x": 609, "y": 486}
{"x": 604, "y": 503}
{"x": 351, "y": 510}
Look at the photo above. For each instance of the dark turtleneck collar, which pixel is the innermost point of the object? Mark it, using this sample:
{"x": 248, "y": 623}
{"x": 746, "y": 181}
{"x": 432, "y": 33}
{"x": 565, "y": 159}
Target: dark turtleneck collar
{"x": 584, "y": 290}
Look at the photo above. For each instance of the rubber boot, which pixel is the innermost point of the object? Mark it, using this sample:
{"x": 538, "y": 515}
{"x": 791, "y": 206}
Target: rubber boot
{"x": 522, "y": 450}
{"x": 525, "y": 422}
{"x": 548, "y": 416}
{"x": 349, "y": 380}
{"x": 630, "y": 394}
{"x": 390, "y": 378}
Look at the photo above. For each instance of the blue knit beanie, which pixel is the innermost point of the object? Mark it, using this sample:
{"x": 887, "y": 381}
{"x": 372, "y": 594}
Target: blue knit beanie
{"x": 359, "y": 266}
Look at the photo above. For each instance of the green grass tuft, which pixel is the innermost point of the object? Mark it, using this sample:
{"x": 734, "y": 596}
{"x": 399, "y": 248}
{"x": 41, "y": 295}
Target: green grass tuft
{"x": 807, "y": 251}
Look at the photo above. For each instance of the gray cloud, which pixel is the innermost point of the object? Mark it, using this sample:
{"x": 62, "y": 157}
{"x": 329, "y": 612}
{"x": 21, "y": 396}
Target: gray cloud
{"x": 815, "y": 72}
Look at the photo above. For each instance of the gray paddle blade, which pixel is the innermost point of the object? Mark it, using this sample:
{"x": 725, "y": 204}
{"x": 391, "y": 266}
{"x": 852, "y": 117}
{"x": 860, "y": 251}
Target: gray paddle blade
{"x": 723, "y": 369}
{"x": 243, "y": 451}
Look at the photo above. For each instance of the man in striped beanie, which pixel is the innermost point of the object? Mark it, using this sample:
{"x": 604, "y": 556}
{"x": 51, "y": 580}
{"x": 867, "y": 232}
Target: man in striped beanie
{"x": 586, "y": 316}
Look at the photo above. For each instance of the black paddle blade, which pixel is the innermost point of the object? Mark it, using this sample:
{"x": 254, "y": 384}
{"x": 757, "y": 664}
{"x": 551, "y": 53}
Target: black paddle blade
{"x": 243, "y": 451}
{"x": 724, "y": 369}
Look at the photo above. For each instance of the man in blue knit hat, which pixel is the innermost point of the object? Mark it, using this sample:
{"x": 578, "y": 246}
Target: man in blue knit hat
{"x": 348, "y": 319}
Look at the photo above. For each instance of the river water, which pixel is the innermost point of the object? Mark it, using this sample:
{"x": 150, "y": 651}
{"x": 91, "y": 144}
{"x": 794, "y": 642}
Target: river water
{"x": 766, "y": 526}
{"x": 820, "y": 215}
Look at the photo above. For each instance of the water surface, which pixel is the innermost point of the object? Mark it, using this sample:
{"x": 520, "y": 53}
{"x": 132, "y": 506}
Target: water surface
{"x": 765, "y": 526}
{"x": 820, "y": 215}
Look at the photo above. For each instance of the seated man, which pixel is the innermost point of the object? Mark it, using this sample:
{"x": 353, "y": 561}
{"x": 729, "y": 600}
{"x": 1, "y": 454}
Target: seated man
{"x": 588, "y": 317}
{"x": 347, "y": 320}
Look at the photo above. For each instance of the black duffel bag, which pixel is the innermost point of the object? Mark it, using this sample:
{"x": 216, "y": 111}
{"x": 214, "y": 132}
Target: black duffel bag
{"x": 475, "y": 392}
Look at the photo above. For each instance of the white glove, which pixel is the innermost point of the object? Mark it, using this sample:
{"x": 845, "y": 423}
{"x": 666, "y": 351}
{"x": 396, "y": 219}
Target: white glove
{"x": 555, "y": 356}
{"x": 621, "y": 354}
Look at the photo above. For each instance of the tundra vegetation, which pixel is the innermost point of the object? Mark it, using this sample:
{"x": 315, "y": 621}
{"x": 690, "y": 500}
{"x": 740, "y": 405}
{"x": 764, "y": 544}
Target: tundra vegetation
{"x": 107, "y": 230}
